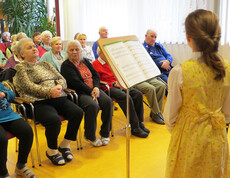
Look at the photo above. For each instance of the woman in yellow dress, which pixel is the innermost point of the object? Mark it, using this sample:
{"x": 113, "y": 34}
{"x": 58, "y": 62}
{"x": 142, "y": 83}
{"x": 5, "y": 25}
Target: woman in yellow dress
{"x": 197, "y": 104}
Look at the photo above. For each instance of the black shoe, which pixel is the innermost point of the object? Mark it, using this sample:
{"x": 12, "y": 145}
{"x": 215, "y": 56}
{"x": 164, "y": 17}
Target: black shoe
{"x": 142, "y": 126}
{"x": 158, "y": 118}
{"x": 138, "y": 132}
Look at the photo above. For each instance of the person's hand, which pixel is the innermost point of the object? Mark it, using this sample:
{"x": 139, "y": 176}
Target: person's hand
{"x": 2, "y": 95}
{"x": 1, "y": 65}
{"x": 116, "y": 84}
{"x": 95, "y": 92}
{"x": 56, "y": 91}
{"x": 165, "y": 65}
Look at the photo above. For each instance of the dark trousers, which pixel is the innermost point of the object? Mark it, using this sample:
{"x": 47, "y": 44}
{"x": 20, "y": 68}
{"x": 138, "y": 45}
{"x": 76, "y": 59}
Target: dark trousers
{"x": 24, "y": 133}
{"x": 47, "y": 113}
{"x": 135, "y": 104}
{"x": 91, "y": 109}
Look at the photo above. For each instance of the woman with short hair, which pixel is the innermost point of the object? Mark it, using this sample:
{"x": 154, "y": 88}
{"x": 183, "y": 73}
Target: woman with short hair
{"x": 42, "y": 84}
{"x": 45, "y": 44}
{"x": 86, "y": 50}
{"x": 55, "y": 56}
{"x": 83, "y": 78}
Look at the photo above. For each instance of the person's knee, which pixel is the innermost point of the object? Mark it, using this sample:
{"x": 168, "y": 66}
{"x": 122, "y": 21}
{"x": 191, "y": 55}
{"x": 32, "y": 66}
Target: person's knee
{"x": 54, "y": 121}
{"x": 93, "y": 108}
{"x": 3, "y": 140}
{"x": 108, "y": 102}
{"x": 27, "y": 131}
{"x": 77, "y": 111}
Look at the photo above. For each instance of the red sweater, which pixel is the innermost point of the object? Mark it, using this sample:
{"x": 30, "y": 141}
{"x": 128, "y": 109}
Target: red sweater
{"x": 41, "y": 51}
{"x": 105, "y": 73}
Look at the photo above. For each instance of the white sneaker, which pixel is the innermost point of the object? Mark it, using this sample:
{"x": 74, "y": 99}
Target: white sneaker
{"x": 105, "y": 141}
{"x": 96, "y": 143}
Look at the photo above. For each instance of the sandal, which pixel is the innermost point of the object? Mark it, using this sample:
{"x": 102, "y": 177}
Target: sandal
{"x": 55, "y": 159}
{"x": 65, "y": 153}
{"x": 25, "y": 172}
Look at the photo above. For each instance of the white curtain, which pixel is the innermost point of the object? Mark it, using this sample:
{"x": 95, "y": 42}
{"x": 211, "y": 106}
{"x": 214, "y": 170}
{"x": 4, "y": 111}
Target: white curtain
{"x": 127, "y": 17}
{"x": 225, "y": 21}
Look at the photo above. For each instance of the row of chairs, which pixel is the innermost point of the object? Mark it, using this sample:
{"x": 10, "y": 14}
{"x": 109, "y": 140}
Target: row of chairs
{"x": 19, "y": 107}
{"x": 20, "y": 102}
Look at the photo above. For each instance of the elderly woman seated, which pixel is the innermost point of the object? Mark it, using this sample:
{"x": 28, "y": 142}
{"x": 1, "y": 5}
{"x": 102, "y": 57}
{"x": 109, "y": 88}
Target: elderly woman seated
{"x": 83, "y": 78}
{"x": 87, "y": 51}
{"x": 13, "y": 123}
{"x": 45, "y": 44}
{"x": 55, "y": 56}
{"x": 42, "y": 84}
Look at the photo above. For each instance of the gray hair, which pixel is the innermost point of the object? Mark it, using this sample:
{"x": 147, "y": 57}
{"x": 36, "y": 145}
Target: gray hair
{"x": 44, "y": 33}
{"x": 150, "y": 30}
{"x": 101, "y": 28}
{"x": 5, "y": 33}
{"x": 76, "y": 42}
{"x": 21, "y": 44}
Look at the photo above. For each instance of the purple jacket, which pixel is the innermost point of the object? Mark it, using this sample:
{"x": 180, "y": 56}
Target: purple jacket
{"x": 10, "y": 63}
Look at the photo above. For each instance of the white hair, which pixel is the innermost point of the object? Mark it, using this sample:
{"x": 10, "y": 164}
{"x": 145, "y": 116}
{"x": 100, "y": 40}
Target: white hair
{"x": 150, "y": 30}
{"x": 46, "y": 32}
{"x": 5, "y": 33}
{"x": 76, "y": 42}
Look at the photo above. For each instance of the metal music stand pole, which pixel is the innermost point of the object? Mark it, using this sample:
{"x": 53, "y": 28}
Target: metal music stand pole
{"x": 128, "y": 133}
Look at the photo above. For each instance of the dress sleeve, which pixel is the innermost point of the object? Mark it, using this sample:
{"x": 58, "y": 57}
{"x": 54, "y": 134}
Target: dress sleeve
{"x": 225, "y": 108}
{"x": 174, "y": 98}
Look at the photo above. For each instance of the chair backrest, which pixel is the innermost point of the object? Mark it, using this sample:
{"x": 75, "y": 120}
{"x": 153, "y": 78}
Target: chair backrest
{"x": 7, "y": 74}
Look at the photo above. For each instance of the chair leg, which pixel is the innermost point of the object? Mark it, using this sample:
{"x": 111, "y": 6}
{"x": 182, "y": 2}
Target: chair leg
{"x": 80, "y": 138}
{"x": 37, "y": 143}
{"x": 32, "y": 159}
{"x": 16, "y": 146}
{"x": 36, "y": 136}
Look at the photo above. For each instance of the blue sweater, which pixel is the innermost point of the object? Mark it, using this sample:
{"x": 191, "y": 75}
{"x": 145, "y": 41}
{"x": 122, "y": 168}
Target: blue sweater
{"x": 6, "y": 113}
{"x": 158, "y": 53}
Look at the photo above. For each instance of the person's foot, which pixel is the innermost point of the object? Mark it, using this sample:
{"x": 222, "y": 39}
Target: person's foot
{"x": 24, "y": 172}
{"x": 96, "y": 142}
{"x": 142, "y": 126}
{"x": 105, "y": 140}
{"x": 138, "y": 132}
{"x": 67, "y": 155}
{"x": 56, "y": 159}
{"x": 158, "y": 118}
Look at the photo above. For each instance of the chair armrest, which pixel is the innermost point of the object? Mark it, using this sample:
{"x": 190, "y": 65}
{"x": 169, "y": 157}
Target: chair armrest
{"x": 68, "y": 90}
{"x": 20, "y": 100}
{"x": 106, "y": 85}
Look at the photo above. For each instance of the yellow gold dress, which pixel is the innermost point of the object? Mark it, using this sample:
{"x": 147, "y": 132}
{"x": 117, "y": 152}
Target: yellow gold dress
{"x": 199, "y": 146}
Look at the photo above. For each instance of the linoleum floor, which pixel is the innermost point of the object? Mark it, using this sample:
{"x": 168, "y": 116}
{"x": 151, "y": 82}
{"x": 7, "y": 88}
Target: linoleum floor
{"x": 148, "y": 156}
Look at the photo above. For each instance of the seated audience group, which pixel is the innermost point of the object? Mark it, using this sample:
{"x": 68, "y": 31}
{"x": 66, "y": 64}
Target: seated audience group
{"x": 44, "y": 71}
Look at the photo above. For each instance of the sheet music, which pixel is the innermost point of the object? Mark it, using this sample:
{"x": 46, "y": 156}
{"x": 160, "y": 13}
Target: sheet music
{"x": 143, "y": 59}
{"x": 124, "y": 63}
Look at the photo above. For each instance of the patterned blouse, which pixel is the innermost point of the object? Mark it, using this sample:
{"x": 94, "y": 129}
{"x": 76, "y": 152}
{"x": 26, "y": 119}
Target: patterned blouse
{"x": 85, "y": 74}
{"x": 34, "y": 81}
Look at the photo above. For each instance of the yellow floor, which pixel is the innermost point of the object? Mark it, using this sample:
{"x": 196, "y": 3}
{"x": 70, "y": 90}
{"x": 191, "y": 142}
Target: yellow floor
{"x": 148, "y": 156}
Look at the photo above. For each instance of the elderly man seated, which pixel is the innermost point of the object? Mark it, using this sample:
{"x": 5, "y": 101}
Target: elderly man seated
{"x": 136, "y": 100}
{"x": 158, "y": 53}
